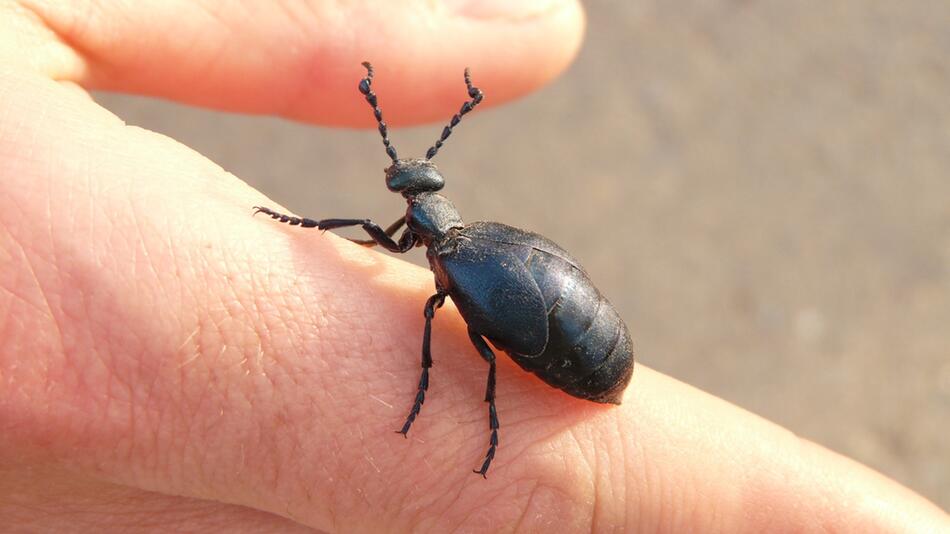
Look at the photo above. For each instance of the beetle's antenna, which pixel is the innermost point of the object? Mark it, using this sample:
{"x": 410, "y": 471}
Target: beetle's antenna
{"x": 476, "y": 96}
{"x": 371, "y": 100}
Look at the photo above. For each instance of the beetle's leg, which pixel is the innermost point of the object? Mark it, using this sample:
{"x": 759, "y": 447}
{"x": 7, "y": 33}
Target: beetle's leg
{"x": 392, "y": 229}
{"x": 406, "y": 242}
{"x": 489, "y": 356}
{"x": 435, "y": 301}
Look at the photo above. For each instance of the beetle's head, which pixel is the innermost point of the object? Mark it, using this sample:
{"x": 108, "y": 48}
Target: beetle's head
{"x": 413, "y": 176}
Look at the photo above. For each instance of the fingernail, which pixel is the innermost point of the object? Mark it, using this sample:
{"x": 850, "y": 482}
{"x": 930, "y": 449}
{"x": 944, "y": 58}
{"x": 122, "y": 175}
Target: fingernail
{"x": 502, "y": 9}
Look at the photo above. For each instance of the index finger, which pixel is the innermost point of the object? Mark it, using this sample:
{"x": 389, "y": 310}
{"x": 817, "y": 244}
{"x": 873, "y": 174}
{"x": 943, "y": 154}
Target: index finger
{"x": 299, "y": 59}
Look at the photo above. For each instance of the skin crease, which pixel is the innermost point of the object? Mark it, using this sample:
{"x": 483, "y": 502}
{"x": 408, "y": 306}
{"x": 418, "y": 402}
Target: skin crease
{"x": 171, "y": 363}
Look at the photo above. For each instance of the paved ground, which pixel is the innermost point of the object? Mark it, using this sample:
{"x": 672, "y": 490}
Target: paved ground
{"x": 762, "y": 188}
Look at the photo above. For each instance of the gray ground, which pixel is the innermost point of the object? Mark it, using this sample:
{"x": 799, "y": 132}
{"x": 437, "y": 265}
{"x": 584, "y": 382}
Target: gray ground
{"x": 762, "y": 189}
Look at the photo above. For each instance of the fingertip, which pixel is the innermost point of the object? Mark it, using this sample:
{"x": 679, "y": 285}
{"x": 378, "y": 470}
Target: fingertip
{"x": 510, "y": 49}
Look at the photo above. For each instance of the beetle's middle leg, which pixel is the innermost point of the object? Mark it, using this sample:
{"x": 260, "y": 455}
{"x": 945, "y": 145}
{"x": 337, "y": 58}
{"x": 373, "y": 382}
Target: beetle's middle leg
{"x": 489, "y": 356}
{"x": 434, "y": 302}
{"x": 381, "y": 237}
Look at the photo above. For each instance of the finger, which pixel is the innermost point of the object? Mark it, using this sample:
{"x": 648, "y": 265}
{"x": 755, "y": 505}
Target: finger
{"x": 159, "y": 337}
{"x": 301, "y": 59}
{"x": 690, "y": 462}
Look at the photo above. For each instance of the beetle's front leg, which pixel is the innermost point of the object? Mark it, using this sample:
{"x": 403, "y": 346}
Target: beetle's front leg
{"x": 380, "y": 236}
{"x": 390, "y": 231}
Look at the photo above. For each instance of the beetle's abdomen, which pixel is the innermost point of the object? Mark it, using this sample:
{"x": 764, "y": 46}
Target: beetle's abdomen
{"x": 589, "y": 353}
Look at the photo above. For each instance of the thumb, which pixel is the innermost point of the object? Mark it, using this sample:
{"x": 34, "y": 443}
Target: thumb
{"x": 300, "y": 59}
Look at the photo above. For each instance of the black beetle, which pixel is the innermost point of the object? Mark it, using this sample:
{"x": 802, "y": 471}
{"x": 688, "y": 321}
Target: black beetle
{"x": 517, "y": 289}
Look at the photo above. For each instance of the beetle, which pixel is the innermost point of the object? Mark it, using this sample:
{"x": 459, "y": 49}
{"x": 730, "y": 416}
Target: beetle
{"x": 517, "y": 289}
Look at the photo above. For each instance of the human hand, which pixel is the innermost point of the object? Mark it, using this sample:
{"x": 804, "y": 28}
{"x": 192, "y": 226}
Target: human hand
{"x": 171, "y": 363}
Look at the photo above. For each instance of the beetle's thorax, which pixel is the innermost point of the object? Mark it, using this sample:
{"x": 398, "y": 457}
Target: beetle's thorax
{"x": 431, "y": 216}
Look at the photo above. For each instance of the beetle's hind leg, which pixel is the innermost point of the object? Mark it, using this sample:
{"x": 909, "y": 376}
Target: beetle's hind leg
{"x": 489, "y": 356}
{"x": 434, "y": 302}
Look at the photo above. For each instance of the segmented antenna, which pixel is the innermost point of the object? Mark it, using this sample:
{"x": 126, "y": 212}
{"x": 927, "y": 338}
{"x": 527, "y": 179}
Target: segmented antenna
{"x": 371, "y": 100}
{"x": 476, "y": 96}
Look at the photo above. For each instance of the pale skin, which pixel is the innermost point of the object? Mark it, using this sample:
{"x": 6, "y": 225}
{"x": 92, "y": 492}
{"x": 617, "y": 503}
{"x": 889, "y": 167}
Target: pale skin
{"x": 170, "y": 363}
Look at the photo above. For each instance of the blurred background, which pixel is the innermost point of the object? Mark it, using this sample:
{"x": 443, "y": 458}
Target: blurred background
{"x": 761, "y": 188}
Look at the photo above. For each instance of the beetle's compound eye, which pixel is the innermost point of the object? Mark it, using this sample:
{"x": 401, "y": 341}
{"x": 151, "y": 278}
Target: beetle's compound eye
{"x": 411, "y": 176}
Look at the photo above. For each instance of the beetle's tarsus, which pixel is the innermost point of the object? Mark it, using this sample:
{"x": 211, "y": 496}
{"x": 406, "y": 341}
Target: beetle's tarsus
{"x": 488, "y": 458}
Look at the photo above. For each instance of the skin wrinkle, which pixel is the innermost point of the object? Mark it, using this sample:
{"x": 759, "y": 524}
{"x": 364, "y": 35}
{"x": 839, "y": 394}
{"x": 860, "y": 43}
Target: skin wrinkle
{"x": 543, "y": 440}
{"x": 834, "y": 502}
{"x": 689, "y": 505}
{"x": 648, "y": 486}
{"x": 184, "y": 372}
{"x": 591, "y": 466}
{"x": 133, "y": 415}
{"x": 591, "y": 480}
{"x": 9, "y": 128}
{"x": 612, "y": 464}
{"x": 760, "y": 482}
{"x": 213, "y": 58}
{"x": 516, "y": 18}
{"x": 453, "y": 503}
{"x": 685, "y": 503}
{"x": 465, "y": 519}
{"x": 294, "y": 101}
{"x": 36, "y": 16}
{"x": 142, "y": 244}
{"x": 597, "y": 477}
{"x": 565, "y": 499}
{"x": 288, "y": 301}
{"x": 421, "y": 499}
{"x": 250, "y": 308}
{"x": 418, "y": 521}
{"x": 49, "y": 312}
{"x": 212, "y": 15}
{"x": 620, "y": 486}
{"x": 527, "y": 506}
{"x": 510, "y": 504}
{"x": 282, "y": 359}
{"x": 299, "y": 329}
{"x": 214, "y": 397}
{"x": 143, "y": 359}
{"x": 45, "y": 310}
{"x": 157, "y": 416}
{"x": 102, "y": 506}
